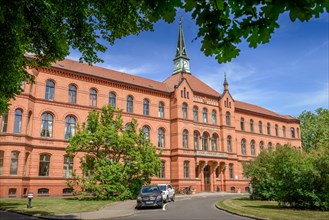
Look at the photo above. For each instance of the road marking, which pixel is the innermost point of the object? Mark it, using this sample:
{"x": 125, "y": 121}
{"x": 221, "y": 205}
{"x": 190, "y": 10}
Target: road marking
{"x": 164, "y": 207}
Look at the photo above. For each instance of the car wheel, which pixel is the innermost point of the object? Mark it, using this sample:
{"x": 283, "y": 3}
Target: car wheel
{"x": 173, "y": 198}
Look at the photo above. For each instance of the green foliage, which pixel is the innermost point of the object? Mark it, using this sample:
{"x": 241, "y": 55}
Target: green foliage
{"x": 49, "y": 28}
{"x": 291, "y": 177}
{"x": 115, "y": 161}
{"x": 314, "y": 128}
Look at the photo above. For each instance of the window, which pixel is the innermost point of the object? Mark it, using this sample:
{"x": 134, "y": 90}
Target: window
{"x": 251, "y": 125}
{"x": 67, "y": 191}
{"x": 186, "y": 169}
{"x": 28, "y": 124}
{"x": 242, "y": 124}
{"x": 229, "y": 143}
{"x": 47, "y": 125}
{"x": 130, "y": 104}
{"x": 261, "y": 146}
{"x": 292, "y": 132}
{"x": 72, "y": 94}
{"x": 146, "y": 131}
{"x": 204, "y": 141}
{"x": 204, "y": 115}
{"x": 276, "y": 130}
{"x": 112, "y": 99}
{"x": 44, "y": 165}
{"x": 252, "y": 148}
{"x": 214, "y": 141}
{"x": 228, "y": 119}
{"x": 14, "y": 163}
{"x": 50, "y": 89}
{"x": 230, "y": 171}
{"x": 68, "y": 166}
{"x": 185, "y": 139}
{"x": 146, "y": 107}
{"x": 4, "y": 122}
{"x": 184, "y": 110}
{"x": 161, "y": 138}
{"x": 92, "y": 97}
{"x": 43, "y": 191}
{"x": 196, "y": 140}
{"x": 283, "y": 131}
{"x": 2, "y": 155}
{"x": 12, "y": 192}
{"x": 243, "y": 147}
{"x": 217, "y": 172}
{"x": 161, "y": 110}
{"x": 162, "y": 172}
{"x": 269, "y": 146}
{"x": 69, "y": 127}
{"x": 268, "y": 129}
{"x": 260, "y": 127}
{"x": 18, "y": 121}
{"x": 214, "y": 117}
{"x": 195, "y": 114}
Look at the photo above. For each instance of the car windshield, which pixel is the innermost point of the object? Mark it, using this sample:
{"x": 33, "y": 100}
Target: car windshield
{"x": 152, "y": 189}
{"x": 162, "y": 187}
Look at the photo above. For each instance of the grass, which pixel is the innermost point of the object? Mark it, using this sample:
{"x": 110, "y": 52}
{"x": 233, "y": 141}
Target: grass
{"x": 268, "y": 210}
{"x": 51, "y": 206}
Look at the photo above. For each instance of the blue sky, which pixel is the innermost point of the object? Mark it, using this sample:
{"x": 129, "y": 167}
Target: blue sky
{"x": 287, "y": 75}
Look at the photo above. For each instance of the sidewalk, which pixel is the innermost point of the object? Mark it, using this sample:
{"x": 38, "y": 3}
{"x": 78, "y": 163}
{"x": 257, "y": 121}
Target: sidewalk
{"x": 125, "y": 208}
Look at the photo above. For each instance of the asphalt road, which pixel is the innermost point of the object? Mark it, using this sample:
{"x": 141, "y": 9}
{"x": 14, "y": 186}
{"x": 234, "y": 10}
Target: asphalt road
{"x": 13, "y": 216}
{"x": 189, "y": 207}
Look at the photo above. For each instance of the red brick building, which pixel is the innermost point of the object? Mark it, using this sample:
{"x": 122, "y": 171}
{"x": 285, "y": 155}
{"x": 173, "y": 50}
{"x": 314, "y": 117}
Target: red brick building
{"x": 205, "y": 135}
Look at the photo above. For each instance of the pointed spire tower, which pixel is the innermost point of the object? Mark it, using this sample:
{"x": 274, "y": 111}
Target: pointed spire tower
{"x": 181, "y": 60}
{"x": 225, "y": 84}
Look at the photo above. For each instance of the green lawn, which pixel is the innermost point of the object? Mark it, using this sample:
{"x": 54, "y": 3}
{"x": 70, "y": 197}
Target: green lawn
{"x": 268, "y": 210}
{"x": 51, "y": 206}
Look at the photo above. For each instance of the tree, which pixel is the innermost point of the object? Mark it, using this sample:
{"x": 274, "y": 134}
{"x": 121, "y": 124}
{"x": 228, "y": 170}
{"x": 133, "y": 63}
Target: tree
{"x": 48, "y": 28}
{"x": 115, "y": 160}
{"x": 314, "y": 128}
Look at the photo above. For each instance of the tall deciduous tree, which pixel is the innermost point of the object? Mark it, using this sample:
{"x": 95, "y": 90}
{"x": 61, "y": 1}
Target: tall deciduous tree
{"x": 314, "y": 128}
{"x": 48, "y": 28}
{"x": 116, "y": 160}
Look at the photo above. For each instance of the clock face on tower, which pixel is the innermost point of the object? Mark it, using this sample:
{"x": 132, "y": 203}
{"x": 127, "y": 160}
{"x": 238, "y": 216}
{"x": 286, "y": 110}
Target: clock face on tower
{"x": 176, "y": 64}
{"x": 185, "y": 64}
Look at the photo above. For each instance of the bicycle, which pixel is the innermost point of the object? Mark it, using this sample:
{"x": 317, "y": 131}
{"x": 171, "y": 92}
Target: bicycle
{"x": 187, "y": 190}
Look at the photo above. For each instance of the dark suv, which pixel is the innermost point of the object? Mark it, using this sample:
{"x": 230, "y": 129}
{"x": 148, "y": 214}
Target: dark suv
{"x": 150, "y": 196}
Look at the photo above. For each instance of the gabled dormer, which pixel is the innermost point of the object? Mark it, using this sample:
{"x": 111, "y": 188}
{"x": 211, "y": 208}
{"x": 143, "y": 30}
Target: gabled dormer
{"x": 227, "y": 105}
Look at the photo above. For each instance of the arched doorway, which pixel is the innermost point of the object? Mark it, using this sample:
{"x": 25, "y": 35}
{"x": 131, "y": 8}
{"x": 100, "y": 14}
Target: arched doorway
{"x": 206, "y": 176}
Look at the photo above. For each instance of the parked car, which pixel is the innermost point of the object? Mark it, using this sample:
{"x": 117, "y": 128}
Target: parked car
{"x": 168, "y": 192}
{"x": 150, "y": 196}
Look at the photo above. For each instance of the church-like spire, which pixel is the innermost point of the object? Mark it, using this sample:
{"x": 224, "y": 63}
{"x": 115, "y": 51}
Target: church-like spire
{"x": 225, "y": 84}
{"x": 181, "y": 60}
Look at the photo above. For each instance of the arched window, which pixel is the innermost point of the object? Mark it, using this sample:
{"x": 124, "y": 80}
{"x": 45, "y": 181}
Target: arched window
{"x": 284, "y": 131}
{"x": 72, "y": 94}
{"x": 204, "y": 115}
{"x": 146, "y": 131}
{"x": 161, "y": 138}
{"x": 195, "y": 114}
{"x": 186, "y": 169}
{"x": 185, "y": 139}
{"x": 50, "y": 90}
{"x": 67, "y": 191}
{"x": 92, "y": 97}
{"x": 205, "y": 138}
{"x": 43, "y": 191}
{"x": 214, "y": 117}
{"x": 130, "y": 103}
{"x": 260, "y": 127}
{"x": 276, "y": 130}
{"x": 292, "y": 132}
{"x": 251, "y": 125}
{"x": 2, "y": 155}
{"x": 4, "y": 122}
{"x": 184, "y": 110}
{"x": 242, "y": 124}
{"x": 18, "y": 121}
{"x": 252, "y": 148}
{"x": 214, "y": 142}
{"x": 69, "y": 127}
{"x": 196, "y": 140}
{"x": 229, "y": 144}
{"x": 243, "y": 147}
{"x": 162, "y": 171}
{"x": 47, "y": 125}
{"x": 269, "y": 146}
{"x": 261, "y": 146}
{"x": 112, "y": 99}
{"x": 44, "y": 165}
{"x": 146, "y": 107}
{"x": 230, "y": 171}
{"x": 228, "y": 119}
{"x": 161, "y": 110}
{"x": 268, "y": 129}
{"x": 14, "y": 162}
{"x": 68, "y": 167}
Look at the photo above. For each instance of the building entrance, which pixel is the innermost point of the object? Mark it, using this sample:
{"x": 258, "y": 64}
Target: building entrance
{"x": 206, "y": 175}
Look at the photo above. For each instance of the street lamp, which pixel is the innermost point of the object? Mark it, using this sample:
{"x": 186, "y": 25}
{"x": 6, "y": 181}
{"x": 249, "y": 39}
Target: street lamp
{"x": 29, "y": 202}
